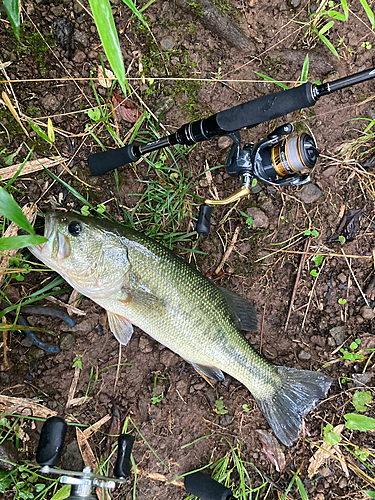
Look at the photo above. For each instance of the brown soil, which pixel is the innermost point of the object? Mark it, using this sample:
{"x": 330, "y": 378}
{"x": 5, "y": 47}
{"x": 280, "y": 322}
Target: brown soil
{"x": 185, "y": 412}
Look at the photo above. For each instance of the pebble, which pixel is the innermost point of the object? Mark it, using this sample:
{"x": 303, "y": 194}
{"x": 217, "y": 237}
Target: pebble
{"x": 309, "y": 193}
{"x": 169, "y": 358}
{"x": 145, "y": 345}
{"x": 50, "y": 102}
{"x": 367, "y": 313}
{"x": 338, "y": 333}
{"x": 92, "y": 54}
{"x": 342, "y": 483}
{"x": 67, "y": 341}
{"x": 79, "y": 57}
{"x": 260, "y": 219}
{"x": 8, "y": 453}
{"x": 224, "y": 142}
{"x": 330, "y": 172}
{"x": 295, "y": 3}
{"x": 342, "y": 278}
{"x": 361, "y": 379}
{"x": 226, "y": 420}
{"x": 167, "y": 44}
{"x": 359, "y": 320}
{"x": 164, "y": 105}
{"x": 304, "y": 356}
{"x": 80, "y": 37}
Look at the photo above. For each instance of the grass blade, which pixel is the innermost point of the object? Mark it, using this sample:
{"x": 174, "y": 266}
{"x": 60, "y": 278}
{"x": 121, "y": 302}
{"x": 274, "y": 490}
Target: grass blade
{"x": 10, "y": 210}
{"x": 282, "y": 85}
{"x": 16, "y": 242}
{"x": 369, "y": 12}
{"x": 13, "y": 13}
{"x": 305, "y": 69}
{"x": 101, "y": 10}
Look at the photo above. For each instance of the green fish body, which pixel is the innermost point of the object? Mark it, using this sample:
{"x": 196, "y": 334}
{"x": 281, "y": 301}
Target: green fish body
{"x": 140, "y": 282}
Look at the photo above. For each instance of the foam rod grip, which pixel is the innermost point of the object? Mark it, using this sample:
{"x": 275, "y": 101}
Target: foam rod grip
{"x": 106, "y": 161}
{"x": 51, "y": 442}
{"x": 206, "y": 488}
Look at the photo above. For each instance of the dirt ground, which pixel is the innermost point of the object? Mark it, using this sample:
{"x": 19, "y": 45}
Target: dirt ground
{"x": 123, "y": 383}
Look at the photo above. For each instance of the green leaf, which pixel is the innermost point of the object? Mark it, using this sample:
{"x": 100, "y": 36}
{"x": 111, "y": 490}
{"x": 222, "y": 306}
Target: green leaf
{"x": 326, "y": 27}
{"x": 305, "y": 69}
{"x": 51, "y": 132}
{"x": 10, "y": 210}
{"x": 301, "y": 488}
{"x": 314, "y": 272}
{"x": 357, "y": 422}
{"x": 370, "y": 493}
{"x": 315, "y": 233}
{"x": 318, "y": 259}
{"x": 13, "y": 13}
{"x": 369, "y": 12}
{"x": 325, "y": 40}
{"x": 16, "y": 242}
{"x": 39, "y": 131}
{"x": 336, "y": 15}
{"x": 282, "y": 85}
{"x": 342, "y": 239}
{"x": 101, "y": 10}
{"x": 341, "y": 301}
{"x": 360, "y": 399}
{"x": 62, "y": 493}
{"x": 330, "y": 437}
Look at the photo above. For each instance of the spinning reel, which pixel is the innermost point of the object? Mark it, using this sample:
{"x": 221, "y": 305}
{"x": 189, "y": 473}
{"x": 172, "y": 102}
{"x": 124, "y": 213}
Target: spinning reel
{"x": 277, "y": 160}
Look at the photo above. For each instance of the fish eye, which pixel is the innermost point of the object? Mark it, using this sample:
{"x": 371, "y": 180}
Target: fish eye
{"x": 75, "y": 228}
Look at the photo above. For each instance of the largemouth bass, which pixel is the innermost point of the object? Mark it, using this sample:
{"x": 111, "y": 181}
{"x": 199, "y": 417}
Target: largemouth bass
{"x": 140, "y": 282}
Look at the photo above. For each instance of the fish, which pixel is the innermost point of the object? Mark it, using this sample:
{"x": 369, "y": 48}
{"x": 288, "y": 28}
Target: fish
{"x": 140, "y": 282}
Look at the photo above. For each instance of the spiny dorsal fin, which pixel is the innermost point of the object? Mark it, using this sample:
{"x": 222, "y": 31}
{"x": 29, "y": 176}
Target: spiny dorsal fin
{"x": 244, "y": 313}
{"x": 120, "y": 327}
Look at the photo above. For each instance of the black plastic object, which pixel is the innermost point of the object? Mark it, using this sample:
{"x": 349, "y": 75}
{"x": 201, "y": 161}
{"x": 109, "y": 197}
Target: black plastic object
{"x": 204, "y": 218}
{"x": 51, "y": 442}
{"x": 105, "y": 161}
{"x": 206, "y": 488}
{"x": 125, "y": 445}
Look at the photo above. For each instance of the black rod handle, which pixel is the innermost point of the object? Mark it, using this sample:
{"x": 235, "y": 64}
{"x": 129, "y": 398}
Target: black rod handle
{"x": 105, "y": 161}
{"x": 206, "y": 488}
{"x": 51, "y": 442}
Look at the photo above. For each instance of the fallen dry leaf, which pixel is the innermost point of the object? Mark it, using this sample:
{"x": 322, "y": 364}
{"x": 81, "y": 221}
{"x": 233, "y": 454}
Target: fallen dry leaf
{"x": 272, "y": 449}
{"x": 125, "y": 108}
{"x": 105, "y": 81}
{"x": 24, "y": 406}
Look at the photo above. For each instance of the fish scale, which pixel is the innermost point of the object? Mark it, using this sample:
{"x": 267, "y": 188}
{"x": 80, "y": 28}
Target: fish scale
{"x": 140, "y": 282}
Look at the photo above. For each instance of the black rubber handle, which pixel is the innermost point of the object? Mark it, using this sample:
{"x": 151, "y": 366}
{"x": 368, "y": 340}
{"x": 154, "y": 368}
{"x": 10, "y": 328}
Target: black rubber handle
{"x": 206, "y": 488}
{"x": 265, "y": 108}
{"x": 51, "y": 442}
{"x": 125, "y": 445}
{"x": 204, "y": 219}
{"x": 105, "y": 161}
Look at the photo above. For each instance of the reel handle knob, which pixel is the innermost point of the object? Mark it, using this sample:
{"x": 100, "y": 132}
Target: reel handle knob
{"x": 122, "y": 466}
{"x": 204, "y": 218}
{"x": 51, "y": 442}
{"x": 206, "y": 488}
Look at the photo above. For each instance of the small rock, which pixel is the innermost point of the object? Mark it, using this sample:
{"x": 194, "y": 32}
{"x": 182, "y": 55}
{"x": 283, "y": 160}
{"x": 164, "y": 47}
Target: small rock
{"x": 67, "y": 341}
{"x": 72, "y": 458}
{"x": 164, "y": 105}
{"x": 295, "y": 3}
{"x": 167, "y": 43}
{"x": 361, "y": 379}
{"x": 8, "y": 453}
{"x": 145, "y": 345}
{"x": 342, "y": 483}
{"x": 4, "y": 378}
{"x": 359, "y": 320}
{"x": 169, "y": 358}
{"x": 367, "y": 313}
{"x": 79, "y": 57}
{"x": 342, "y": 278}
{"x": 309, "y": 193}
{"x": 338, "y": 333}
{"x": 92, "y": 54}
{"x": 26, "y": 342}
{"x": 50, "y": 102}
{"x": 319, "y": 496}
{"x": 200, "y": 386}
{"x": 226, "y": 420}
{"x": 224, "y": 142}
{"x": 80, "y": 37}
{"x": 260, "y": 219}
{"x": 330, "y": 172}
{"x": 304, "y": 356}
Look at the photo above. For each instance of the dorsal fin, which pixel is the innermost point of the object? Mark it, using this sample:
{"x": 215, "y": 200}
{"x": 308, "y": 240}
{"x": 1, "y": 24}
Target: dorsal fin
{"x": 244, "y": 313}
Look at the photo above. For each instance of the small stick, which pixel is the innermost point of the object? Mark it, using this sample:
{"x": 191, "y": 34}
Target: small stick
{"x": 322, "y": 253}
{"x": 355, "y": 279}
{"x": 300, "y": 267}
{"x": 5, "y": 347}
{"x": 228, "y": 251}
{"x": 118, "y": 370}
{"x": 261, "y": 332}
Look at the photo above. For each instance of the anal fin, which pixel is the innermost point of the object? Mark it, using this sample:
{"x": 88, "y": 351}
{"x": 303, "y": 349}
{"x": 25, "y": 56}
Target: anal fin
{"x": 209, "y": 373}
{"x": 121, "y": 327}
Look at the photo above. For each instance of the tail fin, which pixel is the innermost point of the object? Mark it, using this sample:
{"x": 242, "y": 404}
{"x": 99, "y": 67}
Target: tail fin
{"x": 298, "y": 393}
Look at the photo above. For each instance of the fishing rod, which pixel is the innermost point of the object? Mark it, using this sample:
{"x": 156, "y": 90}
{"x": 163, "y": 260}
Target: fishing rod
{"x": 277, "y": 160}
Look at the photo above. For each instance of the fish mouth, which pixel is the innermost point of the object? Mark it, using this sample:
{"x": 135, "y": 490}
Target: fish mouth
{"x": 48, "y": 231}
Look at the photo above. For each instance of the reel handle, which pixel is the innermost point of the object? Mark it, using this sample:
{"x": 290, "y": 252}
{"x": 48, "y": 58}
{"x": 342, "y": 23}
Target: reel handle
{"x": 122, "y": 466}
{"x": 51, "y": 442}
{"x": 206, "y": 488}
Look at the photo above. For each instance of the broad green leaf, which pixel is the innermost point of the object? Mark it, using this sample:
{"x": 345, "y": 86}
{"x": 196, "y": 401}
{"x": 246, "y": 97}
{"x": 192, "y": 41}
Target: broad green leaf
{"x": 360, "y": 399}
{"x": 62, "y": 493}
{"x": 369, "y": 12}
{"x": 336, "y": 15}
{"x": 370, "y": 493}
{"x": 330, "y": 437}
{"x": 305, "y": 69}
{"x": 357, "y": 422}
{"x": 101, "y": 10}
{"x": 282, "y": 85}
{"x": 10, "y": 210}
{"x": 16, "y": 242}
{"x": 314, "y": 272}
{"x": 326, "y": 27}
{"x": 318, "y": 259}
{"x": 39, "y": 131}
{"x": 94, "y": 114}
{"x": 345, "y": 8}
{"x": 13, "y": 13}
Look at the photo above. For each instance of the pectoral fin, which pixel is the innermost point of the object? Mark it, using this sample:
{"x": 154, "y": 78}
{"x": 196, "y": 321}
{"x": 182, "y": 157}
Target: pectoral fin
{"x": 244, "y": 313}
{"x": 209, "y": 372}
{"x": 120, "y": 327}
